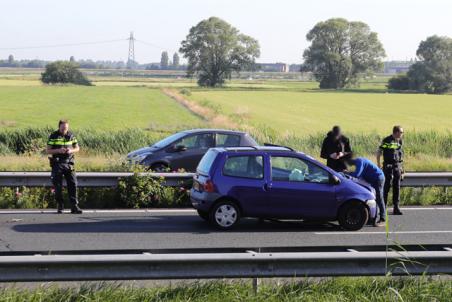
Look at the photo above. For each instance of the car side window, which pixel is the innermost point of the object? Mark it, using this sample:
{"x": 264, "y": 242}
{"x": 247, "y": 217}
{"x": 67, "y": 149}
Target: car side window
{"x": 199, "y": 141}
{"x": 248, "y": 166}
{"x": 227, "y": 140}
{"x": 286, "y": 168}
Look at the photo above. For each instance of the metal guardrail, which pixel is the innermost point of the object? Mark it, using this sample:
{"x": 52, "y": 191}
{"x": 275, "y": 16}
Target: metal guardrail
{"x": 250, "y": 264}
{"x": 111, "y": 179}
{"x": 86, "y": 179}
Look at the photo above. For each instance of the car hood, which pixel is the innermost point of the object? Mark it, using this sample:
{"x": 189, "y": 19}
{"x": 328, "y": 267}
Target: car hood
{"x": 360, "y": 186}
{"x": 142, "y": 151}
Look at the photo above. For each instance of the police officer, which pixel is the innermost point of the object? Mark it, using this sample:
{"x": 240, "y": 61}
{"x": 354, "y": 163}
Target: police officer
{"x": 391, "y": 148}
{"x": 62, "y": 145}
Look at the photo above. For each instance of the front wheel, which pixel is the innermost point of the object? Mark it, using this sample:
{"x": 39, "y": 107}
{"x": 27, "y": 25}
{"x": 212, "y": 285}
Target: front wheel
{"x": 353, "y": 216}
{"x": 224, "y": 215}
{"x": 159, "y": 168}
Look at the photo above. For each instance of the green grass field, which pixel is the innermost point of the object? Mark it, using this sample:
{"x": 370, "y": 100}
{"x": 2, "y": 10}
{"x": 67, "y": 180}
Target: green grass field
{"x": 304, "y": 113}
{"x": 107, "y": 108}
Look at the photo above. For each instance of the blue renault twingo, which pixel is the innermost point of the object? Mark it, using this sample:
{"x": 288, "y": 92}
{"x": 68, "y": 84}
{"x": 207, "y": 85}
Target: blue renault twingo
{"x": 277, "y": 183}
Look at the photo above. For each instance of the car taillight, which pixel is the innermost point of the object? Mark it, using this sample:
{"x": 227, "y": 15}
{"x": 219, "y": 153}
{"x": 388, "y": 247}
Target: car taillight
{"x": 209, "y": 187}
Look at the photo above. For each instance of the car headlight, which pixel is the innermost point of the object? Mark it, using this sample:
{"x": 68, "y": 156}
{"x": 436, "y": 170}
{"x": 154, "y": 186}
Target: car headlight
{"x": 371, "y": 203}
{"x": 138, "y": 158}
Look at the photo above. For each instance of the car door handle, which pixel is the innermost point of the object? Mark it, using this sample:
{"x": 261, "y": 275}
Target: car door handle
{"x": 266, "y": 187}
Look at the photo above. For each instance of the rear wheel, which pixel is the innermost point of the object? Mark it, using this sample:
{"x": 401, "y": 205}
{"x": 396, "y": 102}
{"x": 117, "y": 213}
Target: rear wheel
{"x": 203, "y": 215}
{"x": 353, "y": 216}
{"x": 224, "y": 215}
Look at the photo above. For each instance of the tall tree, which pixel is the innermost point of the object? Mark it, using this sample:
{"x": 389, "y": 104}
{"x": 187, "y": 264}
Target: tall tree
{"x": 341, "y": 51}
{"x": 72, "y": 59}
{"x": 10, "y": 59}
{"x": 433, "y": 73}
{"x": 215, "y": 49}
{"x": 164, "y": 60}
{"x": 176, "y": 60}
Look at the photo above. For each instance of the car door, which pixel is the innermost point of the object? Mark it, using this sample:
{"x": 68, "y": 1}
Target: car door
{"x": 299, "y": 188}
{"x": 196, "y": 145}
{"x": 246, "y": 178}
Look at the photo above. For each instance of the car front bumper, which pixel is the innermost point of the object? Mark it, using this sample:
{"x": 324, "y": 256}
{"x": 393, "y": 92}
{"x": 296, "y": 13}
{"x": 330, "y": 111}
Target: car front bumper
{"x": 372, "y": 205}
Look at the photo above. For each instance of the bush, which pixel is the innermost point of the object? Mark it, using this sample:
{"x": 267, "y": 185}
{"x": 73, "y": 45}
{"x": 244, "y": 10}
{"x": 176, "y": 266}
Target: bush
{"x": 64, "y": 73}
{"x": 140, "y": 191}
{"x": 399, "y": 82}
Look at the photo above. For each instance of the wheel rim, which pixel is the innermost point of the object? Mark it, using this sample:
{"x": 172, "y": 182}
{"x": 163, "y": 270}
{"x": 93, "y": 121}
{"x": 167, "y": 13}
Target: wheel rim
{"x": 353, "y": 216}
{"x": 226, "y": 215}
{"x": 159, "y": 168}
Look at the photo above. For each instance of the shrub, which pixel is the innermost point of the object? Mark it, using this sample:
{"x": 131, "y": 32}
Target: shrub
{"x": 399, "y": 82}
{"x": 64, "y": 73}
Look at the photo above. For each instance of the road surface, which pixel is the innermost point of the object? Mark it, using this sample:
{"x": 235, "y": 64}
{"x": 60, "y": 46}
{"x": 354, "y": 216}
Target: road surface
{"x": 166, "y": 229}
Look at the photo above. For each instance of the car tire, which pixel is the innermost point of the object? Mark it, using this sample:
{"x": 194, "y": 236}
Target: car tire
{"x": 225, "y": 215}
{"x": 159, "y": 167}
{"x": 353, "y": 216}
{"x": 204, "y": 215}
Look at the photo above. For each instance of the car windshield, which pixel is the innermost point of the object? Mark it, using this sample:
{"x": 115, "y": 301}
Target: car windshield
{"x": 169, "y": 140}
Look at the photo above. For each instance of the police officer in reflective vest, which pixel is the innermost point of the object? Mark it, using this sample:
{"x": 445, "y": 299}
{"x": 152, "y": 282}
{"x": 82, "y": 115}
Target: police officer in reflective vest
{"x": 62, "y": 145}
{"x": 391, "y": 148}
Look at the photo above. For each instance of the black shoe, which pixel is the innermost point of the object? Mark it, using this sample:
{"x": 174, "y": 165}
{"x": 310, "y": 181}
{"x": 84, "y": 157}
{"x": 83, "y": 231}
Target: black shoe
{"x": 60, "y": 210}
{"x": 76, "y": 210}
{"x": 396, "y": 211}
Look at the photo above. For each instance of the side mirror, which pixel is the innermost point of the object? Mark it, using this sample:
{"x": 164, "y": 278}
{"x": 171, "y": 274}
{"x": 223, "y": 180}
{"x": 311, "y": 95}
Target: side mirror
{"x": 334, "y": 180}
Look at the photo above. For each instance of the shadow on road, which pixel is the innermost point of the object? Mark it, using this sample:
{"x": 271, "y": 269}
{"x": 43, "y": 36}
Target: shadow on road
{"x": 168, "y": 224}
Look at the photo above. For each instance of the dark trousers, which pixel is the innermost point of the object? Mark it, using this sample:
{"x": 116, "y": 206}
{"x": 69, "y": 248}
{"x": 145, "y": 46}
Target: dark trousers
{"x": 381, "y": 203}
{"x": 393, "y": 177}
{"x": 60, "y": 170}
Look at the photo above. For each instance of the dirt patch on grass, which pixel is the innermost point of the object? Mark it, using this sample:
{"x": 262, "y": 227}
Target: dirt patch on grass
{"x": 208, "y": 114}
{"x": 6, "y": 123}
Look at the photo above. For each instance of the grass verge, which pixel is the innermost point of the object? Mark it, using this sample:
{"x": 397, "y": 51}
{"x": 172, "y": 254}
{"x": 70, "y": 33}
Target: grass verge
{"x": 335, "y": 289}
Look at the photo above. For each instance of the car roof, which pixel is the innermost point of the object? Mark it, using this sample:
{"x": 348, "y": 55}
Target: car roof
{"x": 202, "y": 130}
{"x": 256, "y": 148}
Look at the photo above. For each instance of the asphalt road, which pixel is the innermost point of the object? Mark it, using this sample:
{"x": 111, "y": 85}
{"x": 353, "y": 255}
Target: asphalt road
{"x": 165, "y": 229}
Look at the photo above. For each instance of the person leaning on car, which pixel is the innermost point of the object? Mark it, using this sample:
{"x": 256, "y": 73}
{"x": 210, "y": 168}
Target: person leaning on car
{"x": 371, "y": 173}
{"x": 335, "y": 146}
{"x": 62, "y": 145}
{"x": 392, "y": 150}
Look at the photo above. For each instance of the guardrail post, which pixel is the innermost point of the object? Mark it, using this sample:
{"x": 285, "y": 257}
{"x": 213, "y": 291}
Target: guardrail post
{"x": 256, "y": 283}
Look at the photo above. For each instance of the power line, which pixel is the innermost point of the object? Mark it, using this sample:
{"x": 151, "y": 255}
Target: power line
{"x": 153, "y": 45}
{"x": 64, "y": 45}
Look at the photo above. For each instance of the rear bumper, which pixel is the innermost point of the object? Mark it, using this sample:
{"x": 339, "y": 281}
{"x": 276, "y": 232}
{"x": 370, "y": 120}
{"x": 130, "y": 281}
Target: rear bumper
{"x": 203, "y": 201}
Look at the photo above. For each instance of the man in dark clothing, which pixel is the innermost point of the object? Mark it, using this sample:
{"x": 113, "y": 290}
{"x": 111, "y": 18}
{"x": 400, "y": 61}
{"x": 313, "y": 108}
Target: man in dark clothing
{"x": 62, "y": 145}
{"x": 392, "y": 151}
{"x": 369, "y": 172}
{"x": 335, "y": 146}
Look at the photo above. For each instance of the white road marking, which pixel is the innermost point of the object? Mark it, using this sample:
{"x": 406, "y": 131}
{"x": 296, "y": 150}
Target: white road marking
{"x": 169, "y": 211}
{"x": 383, "y": 233}
{"x": 153, "y": 211}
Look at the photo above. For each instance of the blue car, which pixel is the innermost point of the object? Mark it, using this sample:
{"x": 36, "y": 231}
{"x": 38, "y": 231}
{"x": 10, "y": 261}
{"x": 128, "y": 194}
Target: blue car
{"x": 277, "y": 183}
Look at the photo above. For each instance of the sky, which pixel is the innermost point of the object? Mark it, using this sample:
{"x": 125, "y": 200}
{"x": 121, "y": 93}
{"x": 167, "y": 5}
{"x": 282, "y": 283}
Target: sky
{"x": 280, "y": 26}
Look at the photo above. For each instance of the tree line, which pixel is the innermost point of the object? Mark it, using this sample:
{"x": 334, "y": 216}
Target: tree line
{"x": 340, "y": 53}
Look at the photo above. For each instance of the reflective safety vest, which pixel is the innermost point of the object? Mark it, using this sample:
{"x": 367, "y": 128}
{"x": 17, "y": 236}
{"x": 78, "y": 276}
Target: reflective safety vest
{"x": 57, "y": 140}
{"x": 392, "y": 150}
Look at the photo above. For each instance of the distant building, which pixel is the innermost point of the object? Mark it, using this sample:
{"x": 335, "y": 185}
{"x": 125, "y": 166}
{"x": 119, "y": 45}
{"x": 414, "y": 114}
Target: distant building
{"x": 273, "y": 67}
{"x": 395, "y": 67}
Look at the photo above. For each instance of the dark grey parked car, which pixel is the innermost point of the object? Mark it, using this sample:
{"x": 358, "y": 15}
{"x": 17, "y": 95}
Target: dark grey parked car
{"x": 185, "y": 149}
